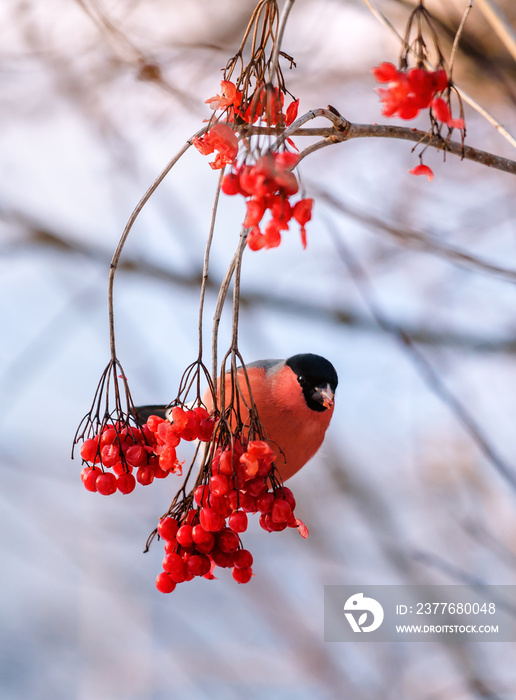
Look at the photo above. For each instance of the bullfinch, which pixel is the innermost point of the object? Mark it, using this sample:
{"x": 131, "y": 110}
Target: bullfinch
{"x": 295, "y": 402}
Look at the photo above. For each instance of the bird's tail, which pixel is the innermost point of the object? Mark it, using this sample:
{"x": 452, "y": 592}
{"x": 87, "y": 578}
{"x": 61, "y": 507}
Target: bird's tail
{"x": 142, "y": 413}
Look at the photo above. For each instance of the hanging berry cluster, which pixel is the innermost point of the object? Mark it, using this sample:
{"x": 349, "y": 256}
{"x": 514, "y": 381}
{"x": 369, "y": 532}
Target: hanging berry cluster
{"x": 150, "y": 450}
{"x": 413, "y": 90}
{"x": 260, "y": 173}
{"x": 236, "y": 477}
{"x": 410, "y": 90}
{"x": 238, "y": 480}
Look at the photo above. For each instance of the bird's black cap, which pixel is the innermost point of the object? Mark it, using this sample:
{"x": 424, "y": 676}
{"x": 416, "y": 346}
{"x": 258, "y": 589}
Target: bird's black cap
{"x": 313, "y": 372}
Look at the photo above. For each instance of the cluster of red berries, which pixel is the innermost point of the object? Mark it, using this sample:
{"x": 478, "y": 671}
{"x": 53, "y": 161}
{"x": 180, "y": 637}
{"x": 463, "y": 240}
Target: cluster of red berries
{"x": 412, "y": 90}
{"x": 268, "y": 184}
{"x": 265, "y": 103}
{"x": 209, "y": 535}
{"x": 150, "y": 450}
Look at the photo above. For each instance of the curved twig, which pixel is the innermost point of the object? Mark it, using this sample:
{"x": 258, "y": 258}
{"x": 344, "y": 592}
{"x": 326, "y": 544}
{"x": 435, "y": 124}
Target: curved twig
{"x": 123, "y": 238}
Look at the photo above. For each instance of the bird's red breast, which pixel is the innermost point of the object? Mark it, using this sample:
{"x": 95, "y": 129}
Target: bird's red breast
{"x": 294, "y": 431}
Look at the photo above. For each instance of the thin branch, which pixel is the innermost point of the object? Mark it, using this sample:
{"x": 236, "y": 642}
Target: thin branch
{"x": 349, "y": 131}
{"x": 279, "y": 37}
{"x": 458, "y": 35}
{"x": 236, "y": 288}
{"x": 206, "y": 261}
{"x": 134, "y": 215}
{"x": 421, "y": 137}
{"x": 223, "y": 290}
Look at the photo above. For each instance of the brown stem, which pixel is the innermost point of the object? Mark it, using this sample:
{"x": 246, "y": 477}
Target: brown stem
{"x": 206, "y": 262}
{"x": 116, "y": 255}
{"x": 274, "y": 67}
{"x": 217, "y": 314}
{"x": 344, "y": 131}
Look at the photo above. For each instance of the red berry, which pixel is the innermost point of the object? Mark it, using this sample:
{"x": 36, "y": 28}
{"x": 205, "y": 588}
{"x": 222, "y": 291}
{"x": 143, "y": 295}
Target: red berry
{"x": 242, "y": 575}
{"x": 191, "y": 516}
{"x": 164, "y": 583}
{"x": 206, "y": 547}
{"x": 302, "y": 211}
{"x": 136, "y": 456}
{"x": 232, "y": 501}
{"x": 168, "y": 434}
{"x": 89, "y": 478}
{"x": 201, "y": 494}
{"x": 153, "y": 422}
{"x": 254, "y": 213}
{"x": 292, "y": 521}
{"x": 242, "y": 559}
{"x": 205, "y": 430}
{"x": 174, "y": 565}
{"x": 219, "y": 485}
{"x": 145, "y": 476}
{"x": 230, "y": 184}
{"x": 265, "y": 502}
{"x": 106, "y": 484}
{"x": 281, "y": 511}
{"x": 126, "y": 483}
{"x": 110, "y": 455}
{"x": 167, "y": 458}
{"x": 248, "y": 503}
{"x": 168, "y": 528}
{"x": 210, "y": 520}
{"x": 198, "y": 564}
{"x": 184, "y": 536}
{"x": 226, "y": 463}
{"x": 238, "y": 521}
{"x": 255, "y": 239}
{"x": 202, "y": 536}
{"x": 218, "y": 504}
{"x": 120, "y": 468}
{"x": 265, "y": 522}
{"x": 108, "y": 436}
{"x": 89, "y": 450}
{"x": 385, "y": 72}
{"x": 227, "y": 540}
{"x": 256, "y": 487}
{"x": 223, "y": 559}
{"x": 268, "y": 524}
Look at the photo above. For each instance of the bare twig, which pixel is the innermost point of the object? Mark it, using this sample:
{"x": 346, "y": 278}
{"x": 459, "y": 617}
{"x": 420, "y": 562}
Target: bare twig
{"x": 223, "y": 290}
{"x": 206, "y": 261}
{"x": 349, "y": 131}
{"x": 134, "y": 215}
{"x": 459, "y": 34}
{"x": 279, "y": 37}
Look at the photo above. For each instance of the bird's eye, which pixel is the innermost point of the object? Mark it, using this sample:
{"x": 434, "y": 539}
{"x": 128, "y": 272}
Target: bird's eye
{"x": 301, "y": 379}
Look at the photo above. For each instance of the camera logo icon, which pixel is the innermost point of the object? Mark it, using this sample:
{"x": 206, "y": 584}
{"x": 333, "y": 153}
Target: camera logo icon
{"x": 359, "y": 610}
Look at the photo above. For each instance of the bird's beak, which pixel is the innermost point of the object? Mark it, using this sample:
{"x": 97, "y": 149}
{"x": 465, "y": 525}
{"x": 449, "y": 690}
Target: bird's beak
{"x": 324, "y": 395}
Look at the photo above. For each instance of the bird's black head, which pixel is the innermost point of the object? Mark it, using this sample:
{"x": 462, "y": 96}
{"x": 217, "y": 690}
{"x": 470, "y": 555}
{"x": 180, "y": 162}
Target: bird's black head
{"x": 317, "y": 377}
